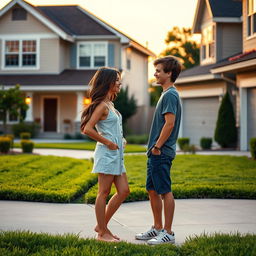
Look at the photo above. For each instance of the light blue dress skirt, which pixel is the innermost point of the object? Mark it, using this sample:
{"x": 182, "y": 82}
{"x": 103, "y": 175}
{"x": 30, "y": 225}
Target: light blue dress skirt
{"x": 105, "y": 160}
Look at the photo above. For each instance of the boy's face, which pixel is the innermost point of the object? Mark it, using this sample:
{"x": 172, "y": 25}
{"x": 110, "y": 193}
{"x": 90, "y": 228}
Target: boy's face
{"x": 161, "y": 76}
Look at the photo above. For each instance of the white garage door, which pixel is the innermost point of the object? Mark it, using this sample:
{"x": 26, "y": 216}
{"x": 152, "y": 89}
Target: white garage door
{"x": 199, "y": 118}
{"x": 251, "y": 94}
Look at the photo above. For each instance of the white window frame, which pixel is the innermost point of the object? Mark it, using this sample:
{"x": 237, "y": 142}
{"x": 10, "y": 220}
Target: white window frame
{"x": 20, "y": 67}
{"x": 252, "y": 34}
{"x": 8, "y": 120}
{"x": 208, "y": 58}
{"x": 91, "y": 43}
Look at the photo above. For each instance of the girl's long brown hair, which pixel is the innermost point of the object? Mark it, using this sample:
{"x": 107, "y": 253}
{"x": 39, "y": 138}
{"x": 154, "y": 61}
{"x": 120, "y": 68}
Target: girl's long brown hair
{"x": 101, "y": 83}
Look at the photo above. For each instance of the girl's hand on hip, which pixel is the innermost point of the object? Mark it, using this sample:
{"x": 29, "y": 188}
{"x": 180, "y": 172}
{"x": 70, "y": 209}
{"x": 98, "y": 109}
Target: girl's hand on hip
{"x": 112, "y": 146}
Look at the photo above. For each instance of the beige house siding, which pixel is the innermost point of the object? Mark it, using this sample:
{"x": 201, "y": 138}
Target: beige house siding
{"x": 248, "y": 43}
{"x": 206, "y": 17}
{"x": 64, "y": 60}
{"x": 246, "y": 79}
{"x": 229, "y": 39}
{"x": 29, "y": 26}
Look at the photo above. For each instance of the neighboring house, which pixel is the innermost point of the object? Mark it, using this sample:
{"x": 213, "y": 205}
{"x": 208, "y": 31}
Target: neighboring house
{"x": 53, "y": 51}
{"x": 220, "y": 25}
{"x": 243, "y": 67}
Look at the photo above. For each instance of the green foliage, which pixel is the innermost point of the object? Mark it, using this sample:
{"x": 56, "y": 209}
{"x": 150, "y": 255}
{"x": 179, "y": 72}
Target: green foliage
{"x": 25, "y": 135}
{"x": 206, "y": 143}
{"x": 181, "y": 44}
{"x": 11, "y": 137}
{"x": 5, "y": 144}
{"x": 125, "y": 104}
{"x": 22, "y": 127}
{"x": 13, "y": 102}
{"x": 183, "y": 143}
{"x": 194, "y": 176}
{"x": 27, "y": 146}
{"x": 253, "y": 147}
{"x": 137, "y": 139}
{"x": 21, "y": 243}
{"x": 44, "y": 178}
{"x": 225, "y": 131}
{"x": 155, "y": 92}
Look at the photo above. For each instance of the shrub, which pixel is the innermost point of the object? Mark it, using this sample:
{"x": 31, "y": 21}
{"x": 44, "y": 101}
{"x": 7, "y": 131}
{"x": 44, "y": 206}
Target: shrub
{"x": 225, "y": 131}
{"x": 67, "y": 136}
{"x": 206, "y": 143}
{"x": 32, "y": 128}
{"x": 137, "y": 139}
{"x": 27, "y": 146}
{"x": 25, "y": 135}
{"x": 253, "y": 147}
{"x": 11, "y": 137}
{"x": 182, "y": 142}
{"x": 5, "y": 144}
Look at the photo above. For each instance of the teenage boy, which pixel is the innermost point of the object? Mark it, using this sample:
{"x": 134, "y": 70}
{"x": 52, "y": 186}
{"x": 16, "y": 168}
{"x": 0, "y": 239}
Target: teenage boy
{"x": 161, "y": 152}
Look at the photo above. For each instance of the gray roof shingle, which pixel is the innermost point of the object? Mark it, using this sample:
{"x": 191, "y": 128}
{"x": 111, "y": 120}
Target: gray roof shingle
{"x": 226, "y": 8}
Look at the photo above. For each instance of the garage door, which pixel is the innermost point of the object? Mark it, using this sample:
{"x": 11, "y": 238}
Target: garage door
{"x": 199, "y": 118}
{"x": 251, "y": 101}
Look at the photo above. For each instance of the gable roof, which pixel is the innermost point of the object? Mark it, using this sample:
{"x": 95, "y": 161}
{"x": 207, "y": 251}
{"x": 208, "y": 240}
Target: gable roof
{"x": 219, "y": 10}
{"x": 71, "y": 22}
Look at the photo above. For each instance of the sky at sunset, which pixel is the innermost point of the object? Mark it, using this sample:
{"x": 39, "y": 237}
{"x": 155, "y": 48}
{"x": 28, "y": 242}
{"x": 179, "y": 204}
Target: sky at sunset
{"x": 146, "y": 21}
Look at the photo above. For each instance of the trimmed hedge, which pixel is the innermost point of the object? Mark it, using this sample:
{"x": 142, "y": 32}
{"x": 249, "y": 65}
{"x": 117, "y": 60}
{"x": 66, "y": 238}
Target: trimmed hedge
{"x": 5, "y": 144}
{"x": 206, "y": 143}
{"x": 183, "y": 143}
{"x": 253, "y": 147}
{"x": 27, "y": 146}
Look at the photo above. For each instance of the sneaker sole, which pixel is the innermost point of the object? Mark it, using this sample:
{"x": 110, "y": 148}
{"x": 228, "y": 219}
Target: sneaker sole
{"x": 169, "y": 242}
{"x": 143, "y": 239}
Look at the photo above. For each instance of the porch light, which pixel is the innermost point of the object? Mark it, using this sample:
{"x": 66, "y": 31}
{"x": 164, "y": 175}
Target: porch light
{"x": 87, "y": 101}
{"x": 28, "y": 100}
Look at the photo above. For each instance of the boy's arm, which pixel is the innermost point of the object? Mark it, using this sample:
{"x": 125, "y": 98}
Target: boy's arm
{"x": 165, "y": 133}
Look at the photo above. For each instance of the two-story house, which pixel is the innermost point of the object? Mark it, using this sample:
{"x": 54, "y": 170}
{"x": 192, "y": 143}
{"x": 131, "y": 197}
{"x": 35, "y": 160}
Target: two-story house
{"x": 220, "y": 26}
{"x": 53, "y": 51}
{"x": 243, "y": 68}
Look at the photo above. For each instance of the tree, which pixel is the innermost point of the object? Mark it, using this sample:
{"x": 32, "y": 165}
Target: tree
{"x": 126, "y": 105}
{"x": 181, "y": 44}
{"x": 12, "y": 102}
{"x": 225, "y": 131}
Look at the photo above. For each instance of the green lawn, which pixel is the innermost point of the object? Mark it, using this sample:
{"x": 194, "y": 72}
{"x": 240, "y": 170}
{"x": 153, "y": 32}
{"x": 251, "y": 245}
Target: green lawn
{"x": 44, "y": 178}
{"x": 130, "y": 148}
{"x": 195, "y": 176}
{"x": 18, "y": 243}
{"x": 62, "y": 179}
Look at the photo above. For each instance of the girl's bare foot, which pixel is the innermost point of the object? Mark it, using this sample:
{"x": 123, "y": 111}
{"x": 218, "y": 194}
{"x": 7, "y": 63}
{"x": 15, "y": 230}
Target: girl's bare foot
{"x": 96, "y": 229}
{"x": 107, "y": 238}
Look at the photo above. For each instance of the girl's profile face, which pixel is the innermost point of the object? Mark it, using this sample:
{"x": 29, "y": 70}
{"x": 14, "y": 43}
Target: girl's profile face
{"x": 117, "y": 86}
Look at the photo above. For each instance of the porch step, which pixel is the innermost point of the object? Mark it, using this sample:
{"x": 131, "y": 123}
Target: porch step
{"x": 50, "y": 135}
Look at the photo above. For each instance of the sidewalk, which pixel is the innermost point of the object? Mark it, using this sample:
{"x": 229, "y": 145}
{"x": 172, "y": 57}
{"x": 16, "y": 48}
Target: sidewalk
{"x": 192, "y": 217}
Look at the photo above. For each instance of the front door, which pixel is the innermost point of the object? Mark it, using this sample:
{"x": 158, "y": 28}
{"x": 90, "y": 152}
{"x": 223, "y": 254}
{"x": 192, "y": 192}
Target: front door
{"x": 50, "y": 115}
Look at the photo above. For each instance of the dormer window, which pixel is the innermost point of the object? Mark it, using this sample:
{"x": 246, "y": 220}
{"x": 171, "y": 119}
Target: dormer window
{"x": 208, "y": 43}
{"x": 19, "y": 14}
{"x": 251, "y": 17}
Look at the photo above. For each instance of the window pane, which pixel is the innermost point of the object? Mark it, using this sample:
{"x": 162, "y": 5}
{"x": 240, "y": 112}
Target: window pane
{"x": 211, "y": 50}
{"x": 254, "y": 23}
{"x": 11, "y": 60}
{"x": 29, "y": 46}
{"x": 85, "y": 61}
{"x": 203, "y": 52}
{"x": 99, "y": 49}
{"x": 12, "y": 46}
{"x": 13, "y": 117}
{"x": 85, "y": 50}
{"x": 28, "y": 60}
{"x": 19, "y": 14}
{"x": 249, "y": 25}
{"x": 99, "y": 61}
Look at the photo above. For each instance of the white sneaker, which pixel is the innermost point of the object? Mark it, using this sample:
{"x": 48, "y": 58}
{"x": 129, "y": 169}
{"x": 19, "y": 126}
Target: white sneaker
{"x": 162, "y": 238}
{"x": 148, "y": 234}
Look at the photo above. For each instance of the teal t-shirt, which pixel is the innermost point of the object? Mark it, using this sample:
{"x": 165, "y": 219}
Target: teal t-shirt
{"x": 169, "y": 102}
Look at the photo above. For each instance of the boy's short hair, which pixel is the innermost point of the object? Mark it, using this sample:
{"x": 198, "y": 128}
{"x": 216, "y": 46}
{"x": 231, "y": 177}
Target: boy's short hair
{"x": 170, "y": 64}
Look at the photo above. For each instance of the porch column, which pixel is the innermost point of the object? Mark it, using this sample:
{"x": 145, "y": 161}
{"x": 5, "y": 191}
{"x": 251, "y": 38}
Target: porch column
{"x": 243, "y": 119}
{"x": 79, "y": 106}
{"x": 29, "y": 113}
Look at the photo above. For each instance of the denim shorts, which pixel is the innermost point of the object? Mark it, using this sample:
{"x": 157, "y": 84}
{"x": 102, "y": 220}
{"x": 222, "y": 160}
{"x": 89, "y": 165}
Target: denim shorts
{"x": 159, "y": 173}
